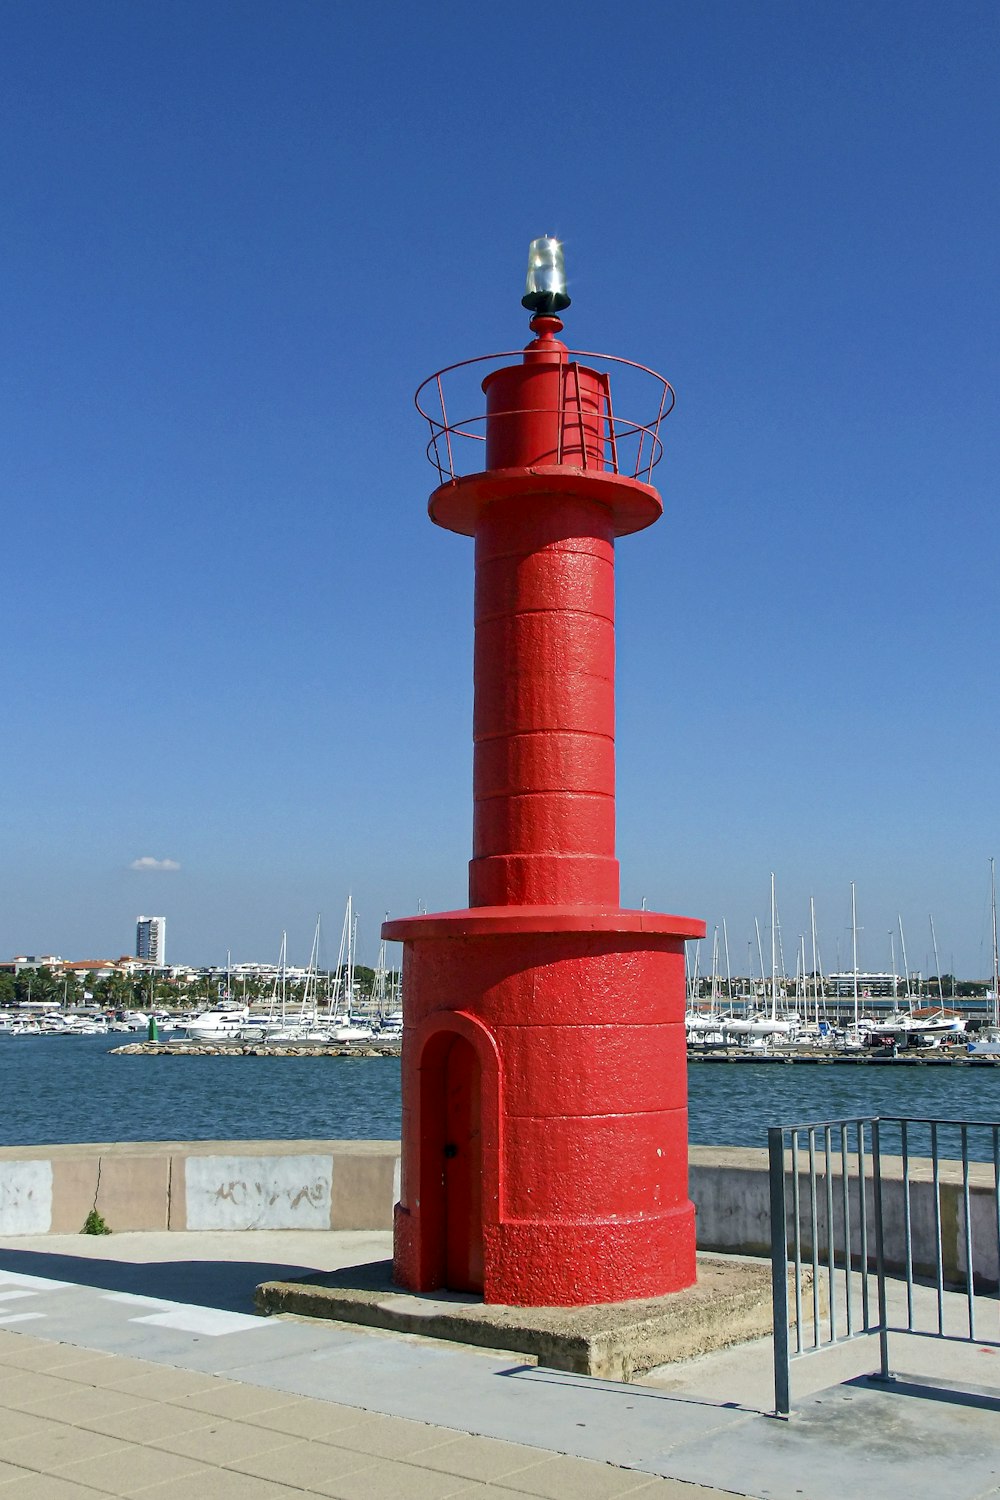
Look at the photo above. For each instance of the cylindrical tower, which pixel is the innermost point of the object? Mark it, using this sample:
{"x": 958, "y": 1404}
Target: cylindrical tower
{"x": 544, "y": 1077}
{"x": 544, "y": 723}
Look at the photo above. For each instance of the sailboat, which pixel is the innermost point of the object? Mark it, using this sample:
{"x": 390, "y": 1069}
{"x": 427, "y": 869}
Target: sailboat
{"x": 921, "y": 1027}
{"x": 344, "y": 1027}
{"x": 390, "y": 1010}
{"x": 704, "y": 1027}
{"x": 306, "y": 1026}
{"x": 764, "y": 1028}
{"x": 932, "y": 1022}
{"x": 861, "y": 1028}
{"x": 385, "y": 999}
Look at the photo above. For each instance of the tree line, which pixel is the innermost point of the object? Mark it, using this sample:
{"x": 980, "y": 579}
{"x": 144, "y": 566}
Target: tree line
{"x": 146, "y": 992}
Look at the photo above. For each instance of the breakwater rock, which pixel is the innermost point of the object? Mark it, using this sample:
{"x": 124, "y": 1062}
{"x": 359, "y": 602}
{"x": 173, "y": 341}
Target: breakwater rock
{"x": 256, "y": 1049}
{"x": 917, "y": 1057}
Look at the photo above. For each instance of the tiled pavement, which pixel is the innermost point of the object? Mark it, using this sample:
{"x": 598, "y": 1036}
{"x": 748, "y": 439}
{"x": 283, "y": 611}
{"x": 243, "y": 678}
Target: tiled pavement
{"x": 129, "y": 1366}
{"x": 78, "y": 1424}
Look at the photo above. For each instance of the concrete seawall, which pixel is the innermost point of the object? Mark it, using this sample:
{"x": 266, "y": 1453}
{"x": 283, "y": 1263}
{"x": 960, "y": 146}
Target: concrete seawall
{"x": 199, "y": 1185}
{"x": 240, "y": 1185}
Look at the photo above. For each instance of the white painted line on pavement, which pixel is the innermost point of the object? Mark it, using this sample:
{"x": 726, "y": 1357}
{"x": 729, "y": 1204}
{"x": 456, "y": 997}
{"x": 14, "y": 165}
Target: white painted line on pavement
{"x": 187, "y": 1317}
{"x": 211, "y": 1321}
{"x": 40, "y": 1283}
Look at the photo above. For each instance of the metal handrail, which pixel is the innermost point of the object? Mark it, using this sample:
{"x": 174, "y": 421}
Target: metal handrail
{"x": 615, "y": 436}
{"x": 612, "y": 430}
{"x": 831, "y": 1245}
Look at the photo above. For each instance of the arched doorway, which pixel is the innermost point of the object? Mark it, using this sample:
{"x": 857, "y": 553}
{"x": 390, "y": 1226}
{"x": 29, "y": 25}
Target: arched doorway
{"x": 452, "y": 1162}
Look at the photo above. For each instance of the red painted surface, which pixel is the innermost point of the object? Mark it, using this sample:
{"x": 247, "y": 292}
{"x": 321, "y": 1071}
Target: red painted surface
{"x": 544, "y": 1083}
{"x": 544, "y": 718}
{"x": 547, "y": 410}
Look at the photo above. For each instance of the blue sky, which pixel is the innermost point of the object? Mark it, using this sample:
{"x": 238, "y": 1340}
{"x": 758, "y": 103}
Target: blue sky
{"x": 238, "y": 235}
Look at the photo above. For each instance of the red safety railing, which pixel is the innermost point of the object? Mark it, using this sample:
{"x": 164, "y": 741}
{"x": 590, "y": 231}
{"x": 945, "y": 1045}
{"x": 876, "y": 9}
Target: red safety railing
{"x": 629, "y": 446}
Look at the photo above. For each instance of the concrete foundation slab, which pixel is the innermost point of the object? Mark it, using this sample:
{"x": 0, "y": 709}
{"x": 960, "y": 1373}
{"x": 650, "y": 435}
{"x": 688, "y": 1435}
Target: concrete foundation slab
{"x": 730, "y": 1303}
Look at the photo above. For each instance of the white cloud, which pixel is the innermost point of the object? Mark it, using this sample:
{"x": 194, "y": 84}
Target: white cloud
{"x": 147, "y": 862}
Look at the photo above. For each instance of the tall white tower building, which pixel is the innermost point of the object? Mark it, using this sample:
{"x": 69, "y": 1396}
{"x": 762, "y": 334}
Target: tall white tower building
{"x": 151, "y": 939}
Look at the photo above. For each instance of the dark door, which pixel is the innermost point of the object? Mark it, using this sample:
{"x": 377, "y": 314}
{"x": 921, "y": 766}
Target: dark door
{"x": 463, "y": 1167}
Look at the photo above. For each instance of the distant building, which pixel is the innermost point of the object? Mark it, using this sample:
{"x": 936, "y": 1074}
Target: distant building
{"x": 90, "y": 970}
{"x": 151, "y": 940}
{"x": 870, "y": 986}
{"x": 31, "y": 961}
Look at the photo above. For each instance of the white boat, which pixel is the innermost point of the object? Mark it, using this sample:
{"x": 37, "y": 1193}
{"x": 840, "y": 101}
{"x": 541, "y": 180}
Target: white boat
{"x": 351, "y": 1032}
{"x": 902, "y": 1029}
{"x": 786, "y": 1025}
{"x": 697, "y": 1022}
{"x": 929, "y": 1025}
{"x": 223, "y": 1022}
{"x": 82, "y": 1026}
{"x": 932, "y": 1021}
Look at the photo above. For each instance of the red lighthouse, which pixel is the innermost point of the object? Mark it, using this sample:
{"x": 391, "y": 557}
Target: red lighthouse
{"x": 543, "y": 1078}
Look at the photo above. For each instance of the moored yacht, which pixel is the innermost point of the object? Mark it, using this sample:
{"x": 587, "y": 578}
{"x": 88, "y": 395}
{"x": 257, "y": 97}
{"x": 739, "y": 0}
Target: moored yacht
{"x": 222, "y": 1022}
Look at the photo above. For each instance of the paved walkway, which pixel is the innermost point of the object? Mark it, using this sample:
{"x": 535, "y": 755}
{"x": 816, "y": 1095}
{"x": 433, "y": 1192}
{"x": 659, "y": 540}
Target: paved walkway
{"x": 76, "y": 1423}
{"x": 129, "y": 1366}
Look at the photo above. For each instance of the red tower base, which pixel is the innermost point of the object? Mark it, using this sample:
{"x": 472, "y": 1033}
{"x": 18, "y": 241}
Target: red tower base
{"x": 544, "y": 1158}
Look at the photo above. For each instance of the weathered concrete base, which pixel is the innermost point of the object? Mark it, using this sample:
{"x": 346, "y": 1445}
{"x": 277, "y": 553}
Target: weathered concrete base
{"x": 616, "y": 1341}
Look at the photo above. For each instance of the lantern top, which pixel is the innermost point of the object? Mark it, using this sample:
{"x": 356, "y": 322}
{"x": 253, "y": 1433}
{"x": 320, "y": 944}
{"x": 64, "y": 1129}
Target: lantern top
{"x": 545, "y": 284}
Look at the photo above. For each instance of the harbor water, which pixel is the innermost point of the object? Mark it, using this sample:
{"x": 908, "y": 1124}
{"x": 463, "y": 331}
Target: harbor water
{"x": 67, "y": 1089}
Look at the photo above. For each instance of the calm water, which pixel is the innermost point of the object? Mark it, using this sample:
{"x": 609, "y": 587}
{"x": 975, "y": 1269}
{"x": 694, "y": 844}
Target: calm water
{"x": 71, "y": 1089}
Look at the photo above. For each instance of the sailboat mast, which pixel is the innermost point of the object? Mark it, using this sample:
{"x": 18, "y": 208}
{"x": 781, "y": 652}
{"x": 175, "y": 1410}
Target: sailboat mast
{"x": 695, "y": 974}
{"x": 906, "y": 967}
{"x": 774, "y": 954}
{"x": 812, "y": 925}
{"x": 380, "y": 984}
{"x": 937, "y": 963}
{"x": 760, "y": 958}
{"x": 892, "y": 960}
{"x": 351, "y": 958}
{"x": 713, "y": 996}
{"x": 729, "y": 972}
{"x": 996, "y": 952}
{"x": 342, "y": 953}
{"x": 309, "y": 1009}
{"x": 854, "y": 949}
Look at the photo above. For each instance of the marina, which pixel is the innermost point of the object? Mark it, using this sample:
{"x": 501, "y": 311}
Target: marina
{"x": 376, "y": 1046}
